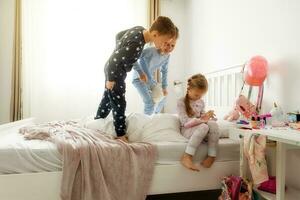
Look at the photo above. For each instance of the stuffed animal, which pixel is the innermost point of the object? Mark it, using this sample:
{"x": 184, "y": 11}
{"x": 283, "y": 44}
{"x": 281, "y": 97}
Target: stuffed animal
{"x": 157, "y": 93}
{"x": 242, "y": 106}
{"x": 245, "y": 107}
{"x": 232, "y": 115}
{"x": 278, "y": 117}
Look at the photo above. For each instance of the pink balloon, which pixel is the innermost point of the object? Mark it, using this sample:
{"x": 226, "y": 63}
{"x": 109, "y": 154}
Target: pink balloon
{"x": 255, "y": 71}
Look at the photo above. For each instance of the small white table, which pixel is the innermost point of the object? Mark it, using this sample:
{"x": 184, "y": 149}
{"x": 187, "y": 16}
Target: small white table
{"x": 285, "y": 138}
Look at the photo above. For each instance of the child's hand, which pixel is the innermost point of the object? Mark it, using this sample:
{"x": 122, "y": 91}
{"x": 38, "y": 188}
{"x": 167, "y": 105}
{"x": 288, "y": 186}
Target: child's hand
{"x": 143, "y": 77}
{"x": 208, "y": 115}
{"x": 110, "y": 84}
{"x": 165, "y": 92}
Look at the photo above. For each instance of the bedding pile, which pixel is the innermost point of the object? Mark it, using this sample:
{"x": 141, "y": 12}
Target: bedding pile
{"x": 140, "y": 127}
{"x": 156, "y": 128}
{"x": 95, "y": 166}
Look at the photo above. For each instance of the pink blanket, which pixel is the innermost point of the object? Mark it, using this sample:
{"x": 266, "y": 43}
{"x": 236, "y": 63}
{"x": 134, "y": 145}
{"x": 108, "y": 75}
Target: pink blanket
{"x": 95, "y": 166}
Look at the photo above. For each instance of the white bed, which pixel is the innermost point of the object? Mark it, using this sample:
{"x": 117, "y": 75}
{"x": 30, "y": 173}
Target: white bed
{"x": 31, "y": 170}
{"x": 29, "y": 156}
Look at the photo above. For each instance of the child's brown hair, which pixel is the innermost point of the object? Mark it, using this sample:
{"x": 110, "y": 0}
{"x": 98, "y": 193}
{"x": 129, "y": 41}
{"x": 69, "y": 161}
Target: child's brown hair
{"x": 164, "y": 26}
{"x": 176, "y": 33}
{"x": 196, "y": 81}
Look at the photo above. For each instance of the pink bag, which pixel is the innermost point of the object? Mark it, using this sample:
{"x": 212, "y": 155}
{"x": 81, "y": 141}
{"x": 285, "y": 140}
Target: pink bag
{"x": 235, "y": 188}
{"x": 269, "y": 185}
{"x": 245, "y": 107}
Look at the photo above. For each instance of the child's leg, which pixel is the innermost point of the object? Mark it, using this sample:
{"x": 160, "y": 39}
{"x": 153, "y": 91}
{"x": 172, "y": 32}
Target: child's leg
{"x": 196, "y": 135}
{"x": 144, "y": 92}
{"x": 213, "y": 140}
{"x": 160, "y": 105}
{"x": 118, "y": 104}
{"x": 104, "y": 106}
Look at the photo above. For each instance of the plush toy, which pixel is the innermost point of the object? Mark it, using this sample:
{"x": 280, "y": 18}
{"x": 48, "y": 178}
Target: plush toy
{"x": 157, "y": 93}
{"x": 245, "y": 107}
{"x": 278, "y": 117}
{"x": 232, "y": 115}
{"x": 242, "y": 106}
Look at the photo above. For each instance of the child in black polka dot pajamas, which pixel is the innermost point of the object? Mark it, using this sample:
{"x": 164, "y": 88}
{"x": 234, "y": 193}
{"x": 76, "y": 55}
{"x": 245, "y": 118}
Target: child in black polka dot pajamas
{"x": 129, "y": 45}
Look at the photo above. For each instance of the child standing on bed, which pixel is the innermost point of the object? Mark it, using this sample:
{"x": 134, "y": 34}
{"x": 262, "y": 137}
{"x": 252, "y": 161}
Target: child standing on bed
{"x": 129, "y": 46}
{"x": 151, "y": 60}
{"x": 196, "y": 124}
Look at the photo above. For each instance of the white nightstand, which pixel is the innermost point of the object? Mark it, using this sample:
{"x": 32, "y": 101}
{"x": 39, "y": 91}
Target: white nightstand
{"x": 285, "y": 139}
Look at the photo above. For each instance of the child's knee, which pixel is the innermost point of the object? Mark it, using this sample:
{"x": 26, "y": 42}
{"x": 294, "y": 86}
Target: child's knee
{"x": 213, "y": 126}
{"x": 203, "y": 127}
{"x": 149, "y": 102}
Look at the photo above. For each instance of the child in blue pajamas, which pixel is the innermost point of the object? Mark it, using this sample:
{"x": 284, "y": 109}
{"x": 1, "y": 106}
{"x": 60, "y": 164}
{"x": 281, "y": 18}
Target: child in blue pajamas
{"x": 150, "y": 60}
{"x": 129, "y": 46}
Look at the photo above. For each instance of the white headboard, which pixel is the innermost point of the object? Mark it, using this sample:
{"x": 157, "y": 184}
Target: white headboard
{"x": 224, "y": 87}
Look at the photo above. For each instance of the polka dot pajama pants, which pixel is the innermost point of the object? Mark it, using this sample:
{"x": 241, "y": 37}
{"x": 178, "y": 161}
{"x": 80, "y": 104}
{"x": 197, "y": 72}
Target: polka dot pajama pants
{"x": 114, "y": 100}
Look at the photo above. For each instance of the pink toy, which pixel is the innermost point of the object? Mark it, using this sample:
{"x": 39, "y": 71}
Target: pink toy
{"x": 245, "y": 107}
{"x": 232, "y": 115}
{"x": 255, "y": 71}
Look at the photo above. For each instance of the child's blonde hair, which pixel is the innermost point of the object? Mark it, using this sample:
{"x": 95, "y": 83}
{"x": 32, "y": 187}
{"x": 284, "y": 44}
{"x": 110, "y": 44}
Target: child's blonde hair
{"x": 196, "y": 81}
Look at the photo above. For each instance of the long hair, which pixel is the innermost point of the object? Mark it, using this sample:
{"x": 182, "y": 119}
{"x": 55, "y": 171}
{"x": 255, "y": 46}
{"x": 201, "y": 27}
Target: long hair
{"x": 196, "y": 81}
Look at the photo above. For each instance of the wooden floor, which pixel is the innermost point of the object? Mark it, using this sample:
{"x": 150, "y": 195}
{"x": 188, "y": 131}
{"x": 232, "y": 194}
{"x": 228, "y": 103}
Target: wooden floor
{"x": 203, "y": 195}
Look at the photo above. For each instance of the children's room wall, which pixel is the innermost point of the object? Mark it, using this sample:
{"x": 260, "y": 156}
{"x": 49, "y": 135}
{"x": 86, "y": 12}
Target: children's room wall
{"x": 6, "y": 54}
{"x": 65, "y": 47}
{"x": 174, "y": 9}
{"x": 226, "y": 33}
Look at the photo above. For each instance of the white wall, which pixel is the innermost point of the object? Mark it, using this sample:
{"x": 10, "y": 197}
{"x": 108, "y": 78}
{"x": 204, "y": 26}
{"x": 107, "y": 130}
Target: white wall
{"x": 6, "y": 54}
{"x": 65, "y": 53}
{"x": 225, "y": 33}
{"x": 174, "y": 10}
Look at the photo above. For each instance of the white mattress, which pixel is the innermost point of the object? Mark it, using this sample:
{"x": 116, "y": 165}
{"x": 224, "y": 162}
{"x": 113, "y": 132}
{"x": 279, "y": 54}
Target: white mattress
{"x": 171, "y": 152}
{"x": 22, "y": 156}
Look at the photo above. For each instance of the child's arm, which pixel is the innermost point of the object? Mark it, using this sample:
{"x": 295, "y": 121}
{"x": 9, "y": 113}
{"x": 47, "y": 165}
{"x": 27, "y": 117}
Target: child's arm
{"x": 185, "y": 120}
{"x": 145, "y": 60}
{"x": 194, "y": 122}
{"x": 137, "y": 67}
{"x": 164, "y": 75}
{"x": 127, "y": 54}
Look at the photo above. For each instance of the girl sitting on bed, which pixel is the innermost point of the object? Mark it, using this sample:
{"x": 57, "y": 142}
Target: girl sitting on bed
{"x": 196, "y": 125}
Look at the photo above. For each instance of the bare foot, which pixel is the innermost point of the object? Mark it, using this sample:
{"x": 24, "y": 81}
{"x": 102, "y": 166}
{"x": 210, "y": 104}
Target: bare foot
{"x": 207, "y": 163}
{"x": 123, "y": 138}
{"x": 187, "y": 161}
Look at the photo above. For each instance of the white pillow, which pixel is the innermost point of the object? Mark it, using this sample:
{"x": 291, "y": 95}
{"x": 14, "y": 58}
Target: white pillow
{"x": 142, "y": 128}
{"x": 224, "y": 127}
{"x": 163, "y": 128}
{"x": 134, "y": 123}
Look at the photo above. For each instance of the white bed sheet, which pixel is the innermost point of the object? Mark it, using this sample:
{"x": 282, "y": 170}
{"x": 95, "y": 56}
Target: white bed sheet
{"x": 171, "y": 152}
{"x": 24, "y": 156}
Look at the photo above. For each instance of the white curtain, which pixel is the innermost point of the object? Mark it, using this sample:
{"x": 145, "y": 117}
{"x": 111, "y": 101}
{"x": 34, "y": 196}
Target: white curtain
{"x": 65, "y": 46}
